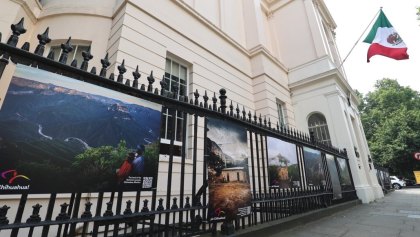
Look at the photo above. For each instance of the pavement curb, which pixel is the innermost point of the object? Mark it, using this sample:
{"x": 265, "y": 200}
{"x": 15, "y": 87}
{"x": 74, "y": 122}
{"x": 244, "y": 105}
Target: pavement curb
{"x": 274, "y": 227}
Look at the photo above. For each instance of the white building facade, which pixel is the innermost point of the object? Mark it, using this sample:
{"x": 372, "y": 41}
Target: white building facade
{"x": 276, "y": 57}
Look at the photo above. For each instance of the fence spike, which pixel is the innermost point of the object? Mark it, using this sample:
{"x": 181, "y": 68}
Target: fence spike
{"x": 93, "y": 70}
{"x": 160, "y": 205}
{"x": 214, "y": 99}
{"x": 3, "y": 215}
{"x": 51, "y": 55}
{"x": 87, "y": 213}
{"x": 35, "y": 214}
{"x": 17, "y": 30}
{"x": 105, "y": 64}
{"x": 66, "y": 49}
{"x": 222, "y": 98}
{"x": 108, "y": 211}
{"x": 86, "y": 57}
{"x": 187, "y": 202}
{"x": 136, "y": 75}
{"x": 26, "y": 46}
{"x": 231, "y": 109}
{"x": 121, "y": 70}
{"x": 249, "y": 116}
{"x": 127, "y": 82}
{"x": 63, "y": 212}
{"x": 162, "y": 86}
{"x": 196, "y": 96}
{"x": 145, "y": 208}
{"x": 128, "y": 210}
{"x": 43, "y": 40}
{"x": 206, "y": 98}
{"x": 151, "y": 80}
{"x": 142, "y": 87}
{"x": 73, "y": 63}
{"x": 112, "y": 77}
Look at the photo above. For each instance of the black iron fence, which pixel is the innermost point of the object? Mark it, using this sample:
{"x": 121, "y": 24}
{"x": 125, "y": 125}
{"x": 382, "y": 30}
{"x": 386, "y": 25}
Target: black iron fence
{"x": 182, "y": 207}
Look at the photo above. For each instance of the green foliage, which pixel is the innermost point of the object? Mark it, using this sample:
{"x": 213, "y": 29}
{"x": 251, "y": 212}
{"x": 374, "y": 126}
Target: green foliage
{"x": 97, "y": 166}
{"x": 391, "y": 119}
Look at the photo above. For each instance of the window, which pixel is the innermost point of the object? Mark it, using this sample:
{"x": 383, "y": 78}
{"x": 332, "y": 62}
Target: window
{"x": 76, "y": 53}
{"x": 176, "y": 82}
{"x": 281, "y": 113}
{"x": 318, "y": 125}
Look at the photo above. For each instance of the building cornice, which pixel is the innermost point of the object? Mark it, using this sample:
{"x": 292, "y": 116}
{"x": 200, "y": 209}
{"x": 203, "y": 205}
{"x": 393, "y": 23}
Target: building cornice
{"x": 260, "y": 49}
{"x": 32, "y": 16}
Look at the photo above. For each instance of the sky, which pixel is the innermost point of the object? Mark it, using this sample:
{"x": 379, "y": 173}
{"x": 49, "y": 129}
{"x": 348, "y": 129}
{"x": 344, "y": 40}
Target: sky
{"x": 352, "y": 17}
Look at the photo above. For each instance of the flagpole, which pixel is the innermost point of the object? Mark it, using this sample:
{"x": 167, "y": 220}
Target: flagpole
{"x": 351, "y": 50}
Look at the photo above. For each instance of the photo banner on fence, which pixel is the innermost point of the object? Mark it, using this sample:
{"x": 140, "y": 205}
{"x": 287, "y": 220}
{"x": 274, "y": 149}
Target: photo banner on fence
{"x": 335, "y": 180}
{"x": 283, "y": 168}
{"x": 228, "y": 153}
{"x": 314, "y": 170}
{"x": 345, "y": 179}
{"x": 59, "y": 134}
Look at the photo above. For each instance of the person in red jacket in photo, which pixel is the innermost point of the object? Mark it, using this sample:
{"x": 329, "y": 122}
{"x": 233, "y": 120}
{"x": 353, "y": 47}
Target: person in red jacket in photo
{"x": 126, "y": 168}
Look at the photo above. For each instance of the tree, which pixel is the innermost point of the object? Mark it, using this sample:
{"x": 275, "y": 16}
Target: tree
{"x": 391, "y": 119}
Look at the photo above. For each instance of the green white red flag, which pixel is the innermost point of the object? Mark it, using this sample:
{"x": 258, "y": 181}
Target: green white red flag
{"x": 385, "y": 40}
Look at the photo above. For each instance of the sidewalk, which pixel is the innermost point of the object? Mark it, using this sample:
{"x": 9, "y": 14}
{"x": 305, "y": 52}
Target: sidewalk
{"x": 396, "y": 215}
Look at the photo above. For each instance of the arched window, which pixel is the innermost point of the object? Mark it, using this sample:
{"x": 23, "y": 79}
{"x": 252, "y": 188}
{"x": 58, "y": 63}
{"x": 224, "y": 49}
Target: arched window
{"x": 318, "y": 124}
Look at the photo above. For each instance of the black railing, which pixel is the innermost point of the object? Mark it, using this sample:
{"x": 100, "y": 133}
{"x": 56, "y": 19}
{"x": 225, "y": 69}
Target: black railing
{"x": 153, "y": 213}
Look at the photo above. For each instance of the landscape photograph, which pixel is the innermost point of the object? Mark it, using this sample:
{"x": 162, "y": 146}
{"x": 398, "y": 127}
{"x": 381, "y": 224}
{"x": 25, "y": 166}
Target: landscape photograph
{"x": 283, "y": 168}
{"x": 313, "y": 167}
{"x": 67, "y": 135}
{"x": 344, "y": 174}
{"x": 228, "y": 177}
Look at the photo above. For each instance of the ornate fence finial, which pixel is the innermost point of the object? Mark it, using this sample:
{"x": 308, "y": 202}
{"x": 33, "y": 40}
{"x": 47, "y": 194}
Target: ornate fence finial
{"x": 196, "y": 96}
{"x": 163, "y": 86}
{"x": 136, "y": 75}
{"x": 145, "y": 208}
{"x": 66, "y": 49}
{"x": 187, "y": 202}
{"x": 174, "y": 205}
{"x": 128, "y": 210}
{"x": 121, "y": 70}
{"x": 35, "y": 214}
{"x": 222, "y": 98}
{"x": 205, "y": 98}
{"x": 151, "y": 80}
{"x": 87, "y": 213}
{"x": 160, "y": 205}
{"x": 86, "y": 57}
{"x": 3, "y": 215}
{"x": 105, "y": 64}
{"x": 108, "y": 211}
{"x": 51, "y": 55}
{"x": 17, "y": 30}
{"x": 43, "y": 40}
{"x": 74, "y": 63}
{"x": 214, "y": 102}
{"x": 63, "y": 213}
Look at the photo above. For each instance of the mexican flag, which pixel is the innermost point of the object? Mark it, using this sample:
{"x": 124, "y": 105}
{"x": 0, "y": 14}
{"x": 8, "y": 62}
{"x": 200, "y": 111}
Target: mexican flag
{"x": 385, "y": 40}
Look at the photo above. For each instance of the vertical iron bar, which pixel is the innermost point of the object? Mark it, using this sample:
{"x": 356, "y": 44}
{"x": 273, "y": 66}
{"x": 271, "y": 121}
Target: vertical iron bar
{"x": 263, "y": 157}
{"x": 254, "y": 194}
{"x": 194, "y": 171}
{"x": 19, "y": 213}
{"x": 70, "y": 210}
{"x": 75, "y": 214}
{"x": 48, "y": 216}
{"x": 170, "y": 164}
{"x": 183, "y": 155}
{"x": 259, "y": 176}
{"x": 205, "y": 175}
{"x": 118, "y": 211}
